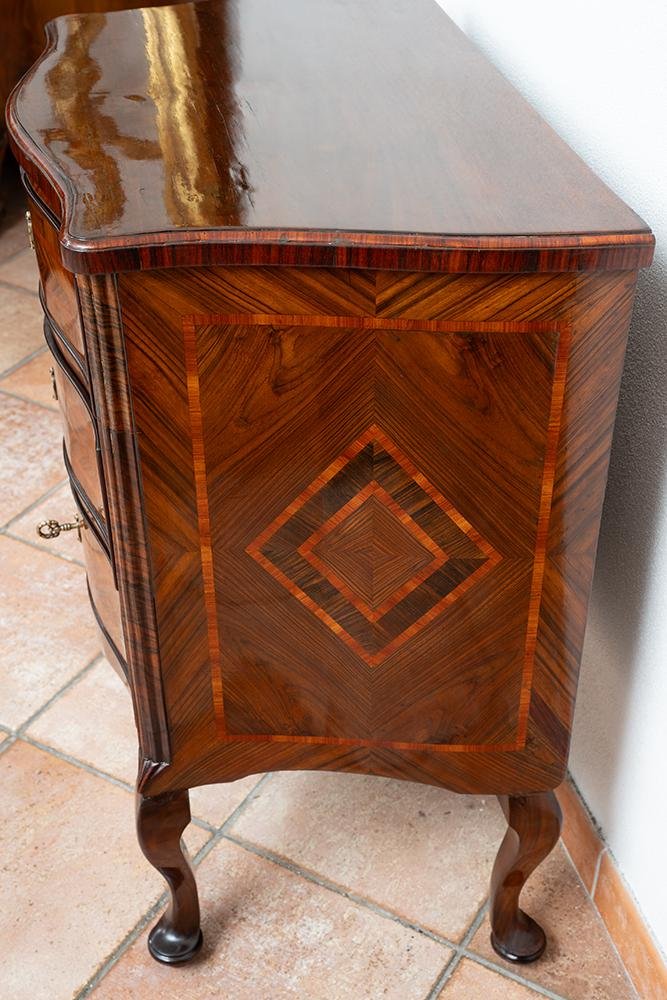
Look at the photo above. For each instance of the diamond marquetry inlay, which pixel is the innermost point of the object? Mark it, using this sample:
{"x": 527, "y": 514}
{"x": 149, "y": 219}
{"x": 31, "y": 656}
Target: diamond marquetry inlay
{"x": 373, "y": 552}
{"x": 373, "y": 549}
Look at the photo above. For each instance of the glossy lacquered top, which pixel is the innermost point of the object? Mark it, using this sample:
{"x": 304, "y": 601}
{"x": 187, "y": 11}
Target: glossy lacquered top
{"x": 312, "y": 118}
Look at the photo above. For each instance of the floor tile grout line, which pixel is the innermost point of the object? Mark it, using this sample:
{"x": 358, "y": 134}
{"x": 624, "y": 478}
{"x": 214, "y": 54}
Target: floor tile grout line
{"x": 477, "y": 922}
{"x": 154, "y": 910}
{"x": 461, "y": 950}
{"x": 254, "y": 793}
{"x": 590, "y": 895}
{"x": 509, "y": 973}
{"x": 11, "y": 287}
{"x": 72, "y": 682}
{"x": 21, "y": 734}
{"x": 35, "y": 503}
{"x": 27, "y": 399}
{"x": 42, "y": 548}
{"x": 235, "y": 813}
{"x": 75, "y": 762}
{"x": 220, "y": 833}
{"x": 117, "y": 953}
{"x": 339, "y": 890}
{"x": 450, "y": 967}
{"x": 19, "y": 364}
{"x": 7, "y": 743}
{"x": 443, "y": 976}
{"x": 82, "y": 765}
{"x": 203, "y": 824}
{"x": 466, "y": 952}
{"x": 217, "y": 835}
{"x": 30, "y": 356}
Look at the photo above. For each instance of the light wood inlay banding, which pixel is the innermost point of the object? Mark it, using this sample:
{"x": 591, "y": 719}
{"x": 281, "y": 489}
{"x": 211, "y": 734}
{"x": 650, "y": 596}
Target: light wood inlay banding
{"x": 546, "y": 497}
{"x": 203, "y": 517}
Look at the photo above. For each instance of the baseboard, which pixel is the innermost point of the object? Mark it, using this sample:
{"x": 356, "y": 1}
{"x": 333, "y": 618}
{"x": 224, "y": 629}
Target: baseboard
{"x": 610, "y": 895}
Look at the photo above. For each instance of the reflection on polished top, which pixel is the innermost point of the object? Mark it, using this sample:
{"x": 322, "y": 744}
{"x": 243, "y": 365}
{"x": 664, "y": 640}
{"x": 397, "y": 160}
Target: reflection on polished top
{"x": 367, "y": 115}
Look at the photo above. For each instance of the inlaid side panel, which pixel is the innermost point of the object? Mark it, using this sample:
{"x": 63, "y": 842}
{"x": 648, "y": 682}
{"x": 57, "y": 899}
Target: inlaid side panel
{"x": 363, "y": 582}
{"x": 356, "y": 522}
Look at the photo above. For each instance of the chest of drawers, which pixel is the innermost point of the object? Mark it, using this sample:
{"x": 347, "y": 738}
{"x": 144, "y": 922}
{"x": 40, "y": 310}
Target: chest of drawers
{"x": 338, "y": 326}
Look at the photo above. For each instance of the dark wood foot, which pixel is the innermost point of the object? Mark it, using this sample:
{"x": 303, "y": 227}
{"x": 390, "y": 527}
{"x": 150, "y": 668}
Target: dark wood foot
{"x": 160, "y": 822}
{"x": 534, "y": 823}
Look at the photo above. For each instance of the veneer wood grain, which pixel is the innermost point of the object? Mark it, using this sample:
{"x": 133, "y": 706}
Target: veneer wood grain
{"x": 262, "y": 189}
{"x": 159, "y": 337}
{"x": 104, "y": 596}
{"x": 58, "y": 284}
{"x": 352, "y": 401}
{"x": 80, "y": 440}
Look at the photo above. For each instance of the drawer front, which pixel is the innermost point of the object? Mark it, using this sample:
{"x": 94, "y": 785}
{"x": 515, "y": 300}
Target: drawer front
{"x": 59, "y": 295}
{"x": 104, "y": 597}
{"x": 81, "y": 445}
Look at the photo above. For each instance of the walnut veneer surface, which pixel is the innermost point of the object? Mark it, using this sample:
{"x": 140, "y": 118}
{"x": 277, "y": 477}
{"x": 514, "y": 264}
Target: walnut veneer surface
{"x": 339, "y": 325}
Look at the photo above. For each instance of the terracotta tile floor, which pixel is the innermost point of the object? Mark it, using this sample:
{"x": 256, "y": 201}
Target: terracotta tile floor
{"x": 316, "y": 886}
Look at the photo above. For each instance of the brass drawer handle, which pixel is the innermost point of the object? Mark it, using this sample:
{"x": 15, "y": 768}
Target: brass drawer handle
{"x": 54, "y": 387}
{"x": 51, "y": 529}
{"x": 28, "y": 222}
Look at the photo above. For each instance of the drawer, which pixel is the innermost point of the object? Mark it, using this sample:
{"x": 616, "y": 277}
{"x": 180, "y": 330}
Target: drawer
{"x": 58, "y": 286}
{"x": 81, "y": 444}
{"x": 104, "y": 597}
{"x": 65, "y": 349}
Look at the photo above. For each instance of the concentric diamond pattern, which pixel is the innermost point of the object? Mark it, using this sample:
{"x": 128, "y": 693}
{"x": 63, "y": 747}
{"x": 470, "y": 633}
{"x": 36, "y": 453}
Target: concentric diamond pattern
{"x": 373, "y": 549}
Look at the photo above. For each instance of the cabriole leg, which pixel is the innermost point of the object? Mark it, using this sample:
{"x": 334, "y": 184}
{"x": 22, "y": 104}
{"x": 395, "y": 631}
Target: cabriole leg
{"x": 160, "y": 822}
{"x": 534, "y": 823}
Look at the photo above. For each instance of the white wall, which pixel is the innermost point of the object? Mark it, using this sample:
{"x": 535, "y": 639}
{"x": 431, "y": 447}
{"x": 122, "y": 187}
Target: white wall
{"x": 596, "y": 70}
